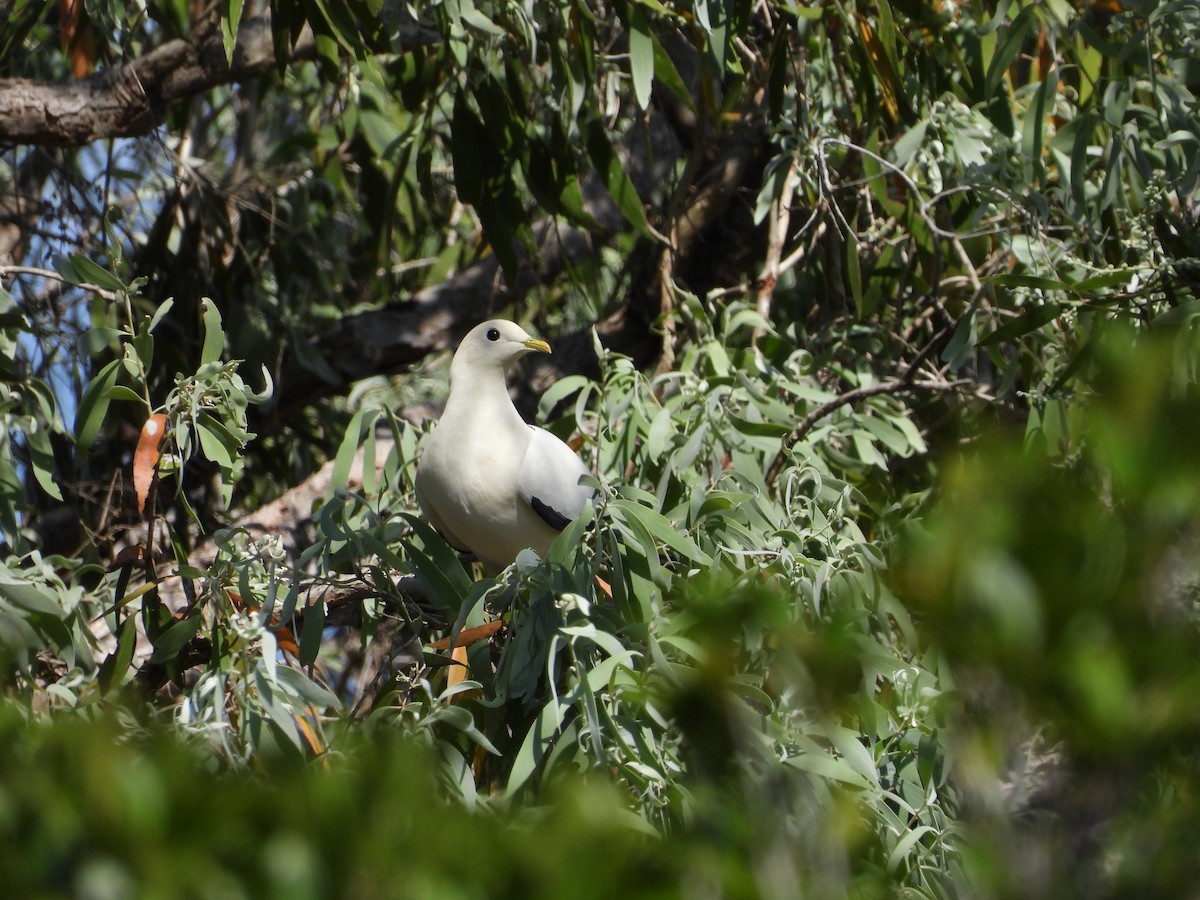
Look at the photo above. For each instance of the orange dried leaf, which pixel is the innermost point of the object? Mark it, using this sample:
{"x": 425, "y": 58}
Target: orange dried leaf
{"x": 145, "y": 457}
{"x": 469, "y": 636}
{"x": 78, "y": 36}
{"x": 285, "y": 640}
{"x": 309, "y": 734}
{"x": 455, "y": 674}
{"x": 887, "y": 79}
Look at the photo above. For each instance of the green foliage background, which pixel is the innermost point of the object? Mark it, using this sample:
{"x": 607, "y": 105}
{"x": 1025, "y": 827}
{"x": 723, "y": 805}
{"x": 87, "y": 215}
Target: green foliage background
{"x": 898, "y": 516}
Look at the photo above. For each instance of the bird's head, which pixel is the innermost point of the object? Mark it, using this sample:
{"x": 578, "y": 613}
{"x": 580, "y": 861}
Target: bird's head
{"x": 493, "y": 345}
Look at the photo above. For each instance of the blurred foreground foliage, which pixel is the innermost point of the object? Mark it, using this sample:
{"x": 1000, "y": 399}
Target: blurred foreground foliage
{"x": 1057, "y": 576}
{"x": 896, "y": 503}
{"x": 91, "y": 810}
{"x": 1030, "y": 731}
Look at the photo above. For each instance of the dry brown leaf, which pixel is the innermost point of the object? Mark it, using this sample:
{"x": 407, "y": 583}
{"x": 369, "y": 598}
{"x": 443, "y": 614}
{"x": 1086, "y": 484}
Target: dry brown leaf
{"x": 469, "y": 636}
{"x": 309, "y": 734}
{"x": 284, "y": 639}
{"x": 455, "y": 674}
{"x": 145, "y": 457}
{"x": 78, "y": 37}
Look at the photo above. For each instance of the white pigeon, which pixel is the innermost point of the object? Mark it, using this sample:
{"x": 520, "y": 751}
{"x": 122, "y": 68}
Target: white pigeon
{"x": 490, "y": 483}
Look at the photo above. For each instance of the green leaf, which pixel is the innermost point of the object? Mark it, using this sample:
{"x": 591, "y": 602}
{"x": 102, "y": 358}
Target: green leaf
{"x": 117, "y": 663}
{"x": 96, "y": 340}
{"x": 477, "y": 20}
{"x": 381, "y": 130}
{"x": 1033, "y": 130}
{"x": 1028, "y": 321}
{"x": 997, "y": 19}
{"x": 15, "y": 631}
{"x": 780, "y": 70}
{"x": 65, "y": 267}
{"x": 213, "y": 441}
{"x": 41, "y": 458}
{"x": 820, "y": 763}
{"x": 656, "y": 6}
{"x": 31, "y": 596}
{"x": 1006, "y": 52}
{"x": 888, "y": 435}
{"x": 854, "y": 276}
{"x": 666, "y": 72}
{"x": 1178, "y": 315}
{"x": 171, "y": 640}
{"x": 905, "y": 845}
{"x": 571, "y": 538}
{"x": 866, "y": 449}
{"x": 759, "y": 429}
{"x": 437, "y": 565}
{"x": 849, "y": 744}
{"x": 214, "y": 336}
{"x": 616, "y": 180}
{"x": 661, "y": 432}
{"x": 1035, "y": 282}
{"x": 1110, "y": 279}
{"x": 912, "y": 436}
{"x": 229, "y": 28}
{"x": 93, "y": 406}
{"x": 909, "y": 143}
{"x": 641, "y": 57}
{"x": 120, "y": 392}
{"x": 560, "y": 390}
{"x": 660, "y": 528}
{"x": 46, "y": 401}
{"x": 160, "y": 313}
{"x": 306, "y": 689}
{"x": 1085, "y": 127}
{"x": 468, "y": 140}
{"x": 311, "y": 632}
{"x": 266, "y": 393}
{"x": 88, "y": 272}
{"x": 362, "y": 423}
{"x": 281, "y": 719}
{"x": 545, "y": 728}
{"x": 887, "y": 39}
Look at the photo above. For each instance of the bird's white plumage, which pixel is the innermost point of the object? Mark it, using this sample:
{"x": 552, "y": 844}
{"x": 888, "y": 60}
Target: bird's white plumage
{"x": 490, "y": 483}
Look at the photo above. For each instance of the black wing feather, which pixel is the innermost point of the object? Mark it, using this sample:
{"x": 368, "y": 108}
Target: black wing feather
{"x": 549, "y": 514}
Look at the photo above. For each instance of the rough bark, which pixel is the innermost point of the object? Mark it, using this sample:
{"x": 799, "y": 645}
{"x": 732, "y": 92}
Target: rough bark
{"x": 132, "y": 98}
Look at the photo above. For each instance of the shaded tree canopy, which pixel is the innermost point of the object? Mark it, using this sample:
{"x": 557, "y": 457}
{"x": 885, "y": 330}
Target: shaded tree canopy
{"x": 854, "y": 308}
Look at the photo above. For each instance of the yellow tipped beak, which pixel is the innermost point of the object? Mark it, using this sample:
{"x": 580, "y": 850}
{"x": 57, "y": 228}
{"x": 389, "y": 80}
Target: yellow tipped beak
{"x": 535, "y": 344}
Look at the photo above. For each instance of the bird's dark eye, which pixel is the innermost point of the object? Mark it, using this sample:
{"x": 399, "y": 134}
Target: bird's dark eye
{"x": 493, "y": 334}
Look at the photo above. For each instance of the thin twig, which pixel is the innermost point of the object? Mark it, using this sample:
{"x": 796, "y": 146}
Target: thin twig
{"x": 777, "y": 229}
{"x": 798, "y": 255}
{"x": 894, "y": 386}
{"x": 923, "y": 205}
{"x": 8, "y": 271}
{"x": 935, "y": 343}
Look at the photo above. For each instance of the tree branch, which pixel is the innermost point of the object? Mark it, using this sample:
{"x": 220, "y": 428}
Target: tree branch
{"x": 405, "y": 331}
{"x": 9, "y": 271}
{"x": 132, "y": 98}
{"x": 894, "y": 386}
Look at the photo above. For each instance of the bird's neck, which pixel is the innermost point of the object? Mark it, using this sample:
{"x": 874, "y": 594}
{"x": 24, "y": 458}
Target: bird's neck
{"x": 480, "y": 390}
